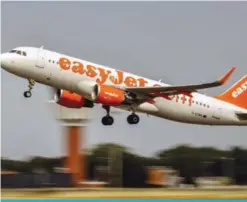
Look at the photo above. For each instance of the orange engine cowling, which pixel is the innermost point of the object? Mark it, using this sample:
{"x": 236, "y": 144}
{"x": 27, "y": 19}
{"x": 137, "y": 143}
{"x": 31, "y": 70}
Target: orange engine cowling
{"x": 71, "y": 100}
{"x": 108, "y": 95}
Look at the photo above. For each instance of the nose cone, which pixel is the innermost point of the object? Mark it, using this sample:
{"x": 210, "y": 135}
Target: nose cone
{"x": 5, "y": 61}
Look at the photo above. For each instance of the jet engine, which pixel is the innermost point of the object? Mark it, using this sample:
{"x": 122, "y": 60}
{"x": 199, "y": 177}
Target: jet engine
{"x": 71, "y": 100}
{"x": 108, "y": 95}
{"x": 104, "y": 94}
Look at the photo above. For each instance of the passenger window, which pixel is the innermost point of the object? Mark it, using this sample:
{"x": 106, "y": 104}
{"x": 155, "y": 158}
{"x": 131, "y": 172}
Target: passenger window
{"x": 24, "y": 53}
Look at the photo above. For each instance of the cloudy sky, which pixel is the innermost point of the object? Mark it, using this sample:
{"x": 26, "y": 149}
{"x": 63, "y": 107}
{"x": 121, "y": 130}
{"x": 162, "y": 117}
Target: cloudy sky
{"x": 177, "y": 42}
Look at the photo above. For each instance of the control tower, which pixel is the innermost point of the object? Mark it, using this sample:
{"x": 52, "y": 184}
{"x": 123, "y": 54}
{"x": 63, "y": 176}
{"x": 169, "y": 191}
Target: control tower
{"x": 74, "y": 122}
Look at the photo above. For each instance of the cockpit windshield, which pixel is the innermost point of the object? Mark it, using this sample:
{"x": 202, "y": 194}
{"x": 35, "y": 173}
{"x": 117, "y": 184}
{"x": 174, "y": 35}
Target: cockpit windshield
{"x": 19, "y": 52}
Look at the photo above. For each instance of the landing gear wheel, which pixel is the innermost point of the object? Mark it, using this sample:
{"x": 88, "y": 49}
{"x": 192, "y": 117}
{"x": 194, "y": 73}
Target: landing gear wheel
{"x": 27, "y": 94}
{"x": 107, "y": 120}
{"x": 133, "y": 119}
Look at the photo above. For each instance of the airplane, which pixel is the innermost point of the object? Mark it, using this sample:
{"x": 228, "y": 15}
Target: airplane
{"x": 79, "y": 83}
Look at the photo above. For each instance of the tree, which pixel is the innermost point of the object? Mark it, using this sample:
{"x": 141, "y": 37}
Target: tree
{"x": 239, "y": 164}
{"x": 193, "y": 162}
{"x": 129, "y": 169}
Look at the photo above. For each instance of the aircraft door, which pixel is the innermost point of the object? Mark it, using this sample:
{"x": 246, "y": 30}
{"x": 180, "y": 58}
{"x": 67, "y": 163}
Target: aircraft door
{"x": 40, "y": 58}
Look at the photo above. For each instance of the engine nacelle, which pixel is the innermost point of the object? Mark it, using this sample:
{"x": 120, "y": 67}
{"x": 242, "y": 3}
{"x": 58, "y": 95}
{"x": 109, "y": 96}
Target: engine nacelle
{"x": 71, "y": 100}
{"x": 87, "y": 89}
{"x": 103, "y": 94}
{"x": 108, "y": 95}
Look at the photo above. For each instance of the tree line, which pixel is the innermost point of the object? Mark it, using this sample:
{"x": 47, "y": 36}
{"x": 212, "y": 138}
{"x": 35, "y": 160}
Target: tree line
{"x": 191, "y": 162}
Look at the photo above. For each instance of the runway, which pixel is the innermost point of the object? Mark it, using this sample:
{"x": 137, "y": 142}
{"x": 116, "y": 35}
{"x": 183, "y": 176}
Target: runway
{"x": 108, "y": 193}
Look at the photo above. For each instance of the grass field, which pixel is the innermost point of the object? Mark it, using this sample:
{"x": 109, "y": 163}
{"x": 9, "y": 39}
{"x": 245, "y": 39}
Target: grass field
{"x": 108, "y": 193}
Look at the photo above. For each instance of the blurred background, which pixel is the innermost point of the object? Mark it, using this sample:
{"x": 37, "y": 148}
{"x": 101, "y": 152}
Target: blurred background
{"x": 116, "y": 166}
{"x": 178, "y": 42}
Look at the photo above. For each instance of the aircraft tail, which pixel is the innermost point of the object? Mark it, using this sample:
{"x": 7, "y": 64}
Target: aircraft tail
{"x": 237, "y": 94}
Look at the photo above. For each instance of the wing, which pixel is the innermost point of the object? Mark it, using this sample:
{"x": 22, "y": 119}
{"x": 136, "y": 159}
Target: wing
{"x": 182, "y": 88}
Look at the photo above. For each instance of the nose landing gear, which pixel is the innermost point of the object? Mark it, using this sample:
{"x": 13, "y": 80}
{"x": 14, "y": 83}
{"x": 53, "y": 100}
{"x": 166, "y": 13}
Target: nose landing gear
{"x": 28, "y": 93}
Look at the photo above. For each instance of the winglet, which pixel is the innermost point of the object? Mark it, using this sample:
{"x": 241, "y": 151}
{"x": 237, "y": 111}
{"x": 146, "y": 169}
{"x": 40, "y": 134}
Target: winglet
{"x": 225, "y": 78}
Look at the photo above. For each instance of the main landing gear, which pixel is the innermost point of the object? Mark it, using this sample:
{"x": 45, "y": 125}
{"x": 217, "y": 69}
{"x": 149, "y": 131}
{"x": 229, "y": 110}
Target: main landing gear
{"x": 133, "y": 119}
{"x": 28, "y": 93}
{"x": 108, "y": 120}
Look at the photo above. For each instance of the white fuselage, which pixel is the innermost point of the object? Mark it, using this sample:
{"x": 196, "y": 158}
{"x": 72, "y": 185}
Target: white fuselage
{"x": 44, "y": 67}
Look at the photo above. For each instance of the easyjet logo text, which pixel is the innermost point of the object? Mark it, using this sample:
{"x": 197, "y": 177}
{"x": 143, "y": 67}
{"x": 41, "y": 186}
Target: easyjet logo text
{"x": 101, "y": 75}
{"x": 112, "y": 94}
{"x": 240, "y": 90}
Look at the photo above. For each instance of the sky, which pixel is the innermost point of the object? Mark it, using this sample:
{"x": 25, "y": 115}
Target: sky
{"x": 178, "y": 42}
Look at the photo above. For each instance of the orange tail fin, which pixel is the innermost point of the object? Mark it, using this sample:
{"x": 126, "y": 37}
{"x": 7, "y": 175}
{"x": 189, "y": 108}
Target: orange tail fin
{"x": 237, "y": 94}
